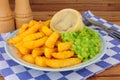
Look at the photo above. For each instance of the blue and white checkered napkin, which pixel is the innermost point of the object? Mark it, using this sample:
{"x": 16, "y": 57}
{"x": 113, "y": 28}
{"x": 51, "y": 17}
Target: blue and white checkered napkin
{"x": 13, "y": 71}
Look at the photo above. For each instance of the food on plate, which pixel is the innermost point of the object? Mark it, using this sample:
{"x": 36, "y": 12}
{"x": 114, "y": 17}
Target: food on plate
{"x": 27, "y": 31}
{"x": 48, "y": 52}
{"x": 37, "y": 52}
{"x": 60, "y": 42}
{"x": 22, "y": 49}
{"x": 66, "y": 20}
{"x": 40, "y": 61}
{"x": 35, "y": 43}
{"x": 40, "y": 46}
{"x": 86, "y": 42}
{"x": 34, "y": 36}
{"x": 63, "y": 54}
{"x": 28, "y": 58}
{"x": 52, "y": 39}
{"x": 63, "y": 46}
{"x": 59, "y": 63}
{"x": 46, "y": 30}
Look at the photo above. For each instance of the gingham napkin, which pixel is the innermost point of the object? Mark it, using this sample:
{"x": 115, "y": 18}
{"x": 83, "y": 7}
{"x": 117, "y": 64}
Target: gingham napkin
{"x": 13, "y": 71}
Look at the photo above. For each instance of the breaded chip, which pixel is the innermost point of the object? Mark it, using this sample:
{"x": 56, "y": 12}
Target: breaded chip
{"x": 47, "y": 31}
{"x": 28, "y": 58}
{"x": 59, "y": 63}
{"x": 37, "y": 52}
{"x": 48, "y": 52}
{"x": 35, "y": 43}
{"x": 63, "y": 46}
{"x": 63, "y": 55}
{"x": 47, "y": 23}
{"x": 40, "y": 61}
{"x": 33, "y": 36}
{"x": 52, "y": 39}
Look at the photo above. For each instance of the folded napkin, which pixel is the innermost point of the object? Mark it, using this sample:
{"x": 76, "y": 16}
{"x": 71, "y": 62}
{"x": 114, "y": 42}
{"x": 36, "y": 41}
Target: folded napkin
{"x": 11, "y": 70}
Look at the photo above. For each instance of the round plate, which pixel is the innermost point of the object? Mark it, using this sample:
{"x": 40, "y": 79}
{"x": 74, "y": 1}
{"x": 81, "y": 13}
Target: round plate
{"x": 12, "y": 53}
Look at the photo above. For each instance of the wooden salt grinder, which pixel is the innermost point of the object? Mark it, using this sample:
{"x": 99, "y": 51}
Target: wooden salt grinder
{"x": 6, "y": 17}
{"x": 23, "y": 13}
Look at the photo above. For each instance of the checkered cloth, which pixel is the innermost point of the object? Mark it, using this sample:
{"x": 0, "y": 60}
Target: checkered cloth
{"x": 13, "y": 71}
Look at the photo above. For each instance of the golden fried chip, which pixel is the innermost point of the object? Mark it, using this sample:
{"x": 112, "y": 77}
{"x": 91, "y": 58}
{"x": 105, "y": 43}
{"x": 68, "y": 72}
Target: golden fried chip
{"x": 32, "y": 22}
{"x": 63, "y": 46}
{"x": 59, "y": 63}
{"x": 47, "y": 23}
{"x": 35, "y": 43}
{"x": 40, "y": 61}
{"x": 23, "y": 28}
{"x": 37, "y": 52}
{"x": 28, "y": 58}
{"x": 23, "y": 50}
{"x": 48, "y": 52}
{"x": 52, "y": 39}
{"x": 47, "y": 31}
{"x": 33, "y": 36}
{"x": 63, "y": 55}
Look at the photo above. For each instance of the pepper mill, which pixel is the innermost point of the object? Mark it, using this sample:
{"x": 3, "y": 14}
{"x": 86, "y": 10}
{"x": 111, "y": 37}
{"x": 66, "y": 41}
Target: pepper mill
{"x": 23, "y": 13}
{"x": 6, "y": 17}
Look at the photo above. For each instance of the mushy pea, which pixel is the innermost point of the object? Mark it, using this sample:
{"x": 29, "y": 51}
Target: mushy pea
{"x": 87, "y": 42}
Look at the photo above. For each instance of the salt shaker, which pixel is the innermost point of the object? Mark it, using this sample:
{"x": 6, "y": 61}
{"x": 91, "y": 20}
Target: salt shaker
{"x": 6, "y": 17}
{"x": 23, "y": 12}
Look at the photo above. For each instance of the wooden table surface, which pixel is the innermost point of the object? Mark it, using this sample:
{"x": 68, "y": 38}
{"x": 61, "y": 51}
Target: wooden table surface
{"x": 106, "y": 9}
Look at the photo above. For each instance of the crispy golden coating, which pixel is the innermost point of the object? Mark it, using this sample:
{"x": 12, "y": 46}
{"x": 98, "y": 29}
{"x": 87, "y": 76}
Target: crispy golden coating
{"x": 37, "y": 52}
{"x": 33, "y": 36}
{"x": 35, "y": 43}
{"x": 63, "y": 46}
{"x": 40, "y": 61}
{"x": 59, "y": 63}
{"x": 32, "y": 22}
{"x": 63, "y": 55}
{"x": 48, "y": 52}
{"x": 47, "y": 31}
{"x": 24, "y": 33}
{"x": 21, "y": 49}
{"x": 23, "y": 28}
{"x": 47, "y": 23}
{"x": 52, "y": 39}
{"x": 28, "y": 58}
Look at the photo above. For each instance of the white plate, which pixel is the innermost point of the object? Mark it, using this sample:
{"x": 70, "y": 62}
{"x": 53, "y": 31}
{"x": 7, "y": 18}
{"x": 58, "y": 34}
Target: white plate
{"x": 12, "y": 53}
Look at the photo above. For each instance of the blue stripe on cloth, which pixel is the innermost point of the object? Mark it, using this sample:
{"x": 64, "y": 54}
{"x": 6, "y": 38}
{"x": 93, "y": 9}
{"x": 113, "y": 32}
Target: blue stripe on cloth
{"x": 117, "y": 49}
{"x": 1, "y": 57}
{"x": 84, "y": 72}
{"x": 7, "y": 72}
{"x": 117, "y": 56}
{"x": 1, "y": 38}
{"x": 2, "y": 50}
{"x": 66, "y": 72}
{"x": 42, "y": 77}
{"x": 11, "y": 63}
{"x": 24, "y": 75}
{"x": 103, "y": 64}
{"x": 105, "y": 56}
{"x": 63, "y": 78}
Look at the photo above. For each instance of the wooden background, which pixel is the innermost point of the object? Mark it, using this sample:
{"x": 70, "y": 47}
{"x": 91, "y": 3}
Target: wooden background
{"x": 44, "y": 9}
{"x": 107, "y": 9}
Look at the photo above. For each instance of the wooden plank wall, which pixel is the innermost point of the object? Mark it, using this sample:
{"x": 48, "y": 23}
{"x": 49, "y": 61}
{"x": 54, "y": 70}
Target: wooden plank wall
{"x": 44, "y": 9}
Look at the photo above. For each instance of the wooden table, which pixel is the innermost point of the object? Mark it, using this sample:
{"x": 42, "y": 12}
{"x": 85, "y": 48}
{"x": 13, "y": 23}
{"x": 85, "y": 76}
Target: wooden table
{"x": 107, "y": 9}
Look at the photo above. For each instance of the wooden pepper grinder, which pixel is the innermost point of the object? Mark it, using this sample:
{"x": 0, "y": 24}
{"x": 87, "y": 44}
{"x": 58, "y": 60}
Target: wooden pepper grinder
{"x": 23, "y": 13}
{"x": 6, "y": 17}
